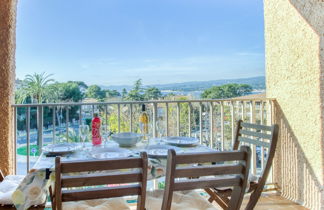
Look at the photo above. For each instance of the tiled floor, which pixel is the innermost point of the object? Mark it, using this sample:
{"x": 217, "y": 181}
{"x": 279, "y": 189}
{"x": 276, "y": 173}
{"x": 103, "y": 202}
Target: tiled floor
{"x": 271, "y": 201}
{"x": 268, "y": 201}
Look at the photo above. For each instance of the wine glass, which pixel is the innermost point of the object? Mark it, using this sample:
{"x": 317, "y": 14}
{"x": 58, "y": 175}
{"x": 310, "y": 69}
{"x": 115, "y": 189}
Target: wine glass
{"x": 104, "y": 133}
{"x": 84, "y": 132}
{"x": 160, "y": 126}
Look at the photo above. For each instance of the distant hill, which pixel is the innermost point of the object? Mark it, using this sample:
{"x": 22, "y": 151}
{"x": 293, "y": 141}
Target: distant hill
{"x": 256, "y": 82}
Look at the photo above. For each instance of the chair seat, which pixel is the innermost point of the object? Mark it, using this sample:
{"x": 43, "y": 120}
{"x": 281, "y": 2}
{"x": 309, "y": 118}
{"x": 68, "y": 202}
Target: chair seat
{"x": 189, "y": 200}
{"x": 7, "y": 187}
{"x": 228, "y": 190}
{"x": 251, "y": 184}
{"x": 97, "y": 204}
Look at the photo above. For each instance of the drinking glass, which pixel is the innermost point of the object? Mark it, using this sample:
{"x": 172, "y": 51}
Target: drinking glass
{"x": 104, "y": 133}
{"x": 84, "y": 132}
{"x": 160, "y": 126}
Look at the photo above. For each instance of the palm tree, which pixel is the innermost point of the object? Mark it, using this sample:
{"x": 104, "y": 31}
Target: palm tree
{"x": 35, "y": 86}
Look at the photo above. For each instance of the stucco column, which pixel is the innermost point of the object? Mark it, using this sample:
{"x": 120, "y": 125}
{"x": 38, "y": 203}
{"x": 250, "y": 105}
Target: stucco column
{"x": 7, "y": 78}
{"x": 294, "y": 35}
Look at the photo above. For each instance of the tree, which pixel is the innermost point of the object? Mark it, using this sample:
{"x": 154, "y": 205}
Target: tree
{"x": 94, "y": 91}
{"x": 152, "y": 93}
{"x": 124, "y": 93}
{"x": 227, "y": 91}
{"x": 136, "y": 94}
{"x": 112, "y": 93}
{"x": 82, "y": 85}
{"x": 67, "y": 92}
{"x": 34, "y": 87}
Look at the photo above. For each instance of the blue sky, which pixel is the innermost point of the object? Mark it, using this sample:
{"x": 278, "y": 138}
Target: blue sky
{"x": 115, "y": 42}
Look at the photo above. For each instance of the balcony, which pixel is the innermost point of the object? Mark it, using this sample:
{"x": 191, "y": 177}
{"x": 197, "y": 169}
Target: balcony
{"x": 211, "y": 121}
{"x": 293, "y": 67}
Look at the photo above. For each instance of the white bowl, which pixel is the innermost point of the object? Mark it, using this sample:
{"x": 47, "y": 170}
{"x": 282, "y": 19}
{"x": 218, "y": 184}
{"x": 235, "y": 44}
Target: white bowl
{"x": 127, "y": 139}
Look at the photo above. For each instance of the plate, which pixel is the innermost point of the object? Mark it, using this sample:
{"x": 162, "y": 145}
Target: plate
{"x": 159, "y": 150}
{"x": 110, "y": 153}
{"x": 63, "y": 148}
{"x": 182, "y": 141}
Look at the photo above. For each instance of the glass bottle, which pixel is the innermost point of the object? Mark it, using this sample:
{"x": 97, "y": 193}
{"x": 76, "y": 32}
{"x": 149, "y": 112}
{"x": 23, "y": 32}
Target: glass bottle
{"x": 143, "y": 120}
{"x": 96, "y": 123}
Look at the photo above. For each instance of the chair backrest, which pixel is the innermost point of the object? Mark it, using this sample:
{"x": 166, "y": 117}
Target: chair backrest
{"x": 262, "y": 136}
{"x": 98, "y": 175}
{"x": 207, "y": 174}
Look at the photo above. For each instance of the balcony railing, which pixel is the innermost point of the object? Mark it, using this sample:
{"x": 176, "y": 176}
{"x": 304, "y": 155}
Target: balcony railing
{"x": 212, "y": 121}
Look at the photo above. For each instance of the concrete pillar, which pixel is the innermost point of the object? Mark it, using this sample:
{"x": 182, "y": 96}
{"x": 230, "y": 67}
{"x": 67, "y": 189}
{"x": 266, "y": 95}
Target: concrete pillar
{"x": 7, "y": 78}
{"x": 294, "y": 35}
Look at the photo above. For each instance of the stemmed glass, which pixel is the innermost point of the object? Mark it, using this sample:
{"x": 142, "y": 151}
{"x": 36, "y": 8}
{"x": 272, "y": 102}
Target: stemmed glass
{"x": 160, "y": 126}
{"x": 104, "y": 133}
{"x": 84, "y": 132}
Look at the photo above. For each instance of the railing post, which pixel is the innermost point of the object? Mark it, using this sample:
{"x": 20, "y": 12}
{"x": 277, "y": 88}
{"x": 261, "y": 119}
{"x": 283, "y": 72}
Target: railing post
{"x": 253, "y": 147}
{"x": 28, "y": 136}
{"x": 270, "y": 122}
{"x": 167, "y": 118}
{"x": 211, "y": 119}
{"x": 40, "y": 128}
{"x": 189, "y": 118}
{"x": 232, "y": 122}
{"x": 67, "y": 123}
{"x": 80, "y": 122}
{"x": 118, "y": 117}
{"x": 131, "y": 118}
{"x": 80, "y": 115}
{"x": 243, "y": 111}
{"x": 54, "y": 122}
{"x": 222, "y": 125}
{"x": 200, "y": 123}
{"x": 269, "y": 113}
{"x": 154, "y": 119}
{"x": 106, "y": 116}
{"x": 262, "y": 122}
{"x": 178, "y": 119}
{"x": 15, "y": 139}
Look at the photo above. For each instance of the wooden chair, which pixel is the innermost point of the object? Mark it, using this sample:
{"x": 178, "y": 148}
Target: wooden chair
{"x": 98, "y": 179}
{"x": 218, "y": 175}
{"x": 12, "y": 207}
{"x": 257, "y": 135}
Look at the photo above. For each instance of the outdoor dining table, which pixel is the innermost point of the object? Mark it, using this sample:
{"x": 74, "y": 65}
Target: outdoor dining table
{"x": 34, "y": 188}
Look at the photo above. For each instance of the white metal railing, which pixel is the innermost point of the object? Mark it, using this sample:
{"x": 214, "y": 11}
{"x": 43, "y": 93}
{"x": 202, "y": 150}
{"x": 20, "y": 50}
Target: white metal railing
{"x": 212, "y": 121}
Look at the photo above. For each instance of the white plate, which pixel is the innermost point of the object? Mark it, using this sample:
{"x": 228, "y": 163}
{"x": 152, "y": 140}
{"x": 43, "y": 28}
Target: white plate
{"x": 62, "y": 148}
{"x": 110, "y": 153}
{"x": 159, "y": 150}
{"x": 181, "y": 141}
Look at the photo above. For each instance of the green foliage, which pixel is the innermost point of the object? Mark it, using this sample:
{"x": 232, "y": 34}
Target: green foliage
{"x": 81, "y": 84}
{"x": 152, "y": 93}
{"x": 124, "y": 93}
{"x": 23, "y": 150}
{"x": 34, "y": 87}
{"x": 112, "y": 93}
{"x": 136, "y": 94}
{"x": 94, "y": 91}
{"x": 67, "y": 92}
{"x": 227, "y": 91}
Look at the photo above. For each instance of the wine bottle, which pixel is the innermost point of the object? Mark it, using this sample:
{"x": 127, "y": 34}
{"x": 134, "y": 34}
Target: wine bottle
{"x": 143, "y": 120}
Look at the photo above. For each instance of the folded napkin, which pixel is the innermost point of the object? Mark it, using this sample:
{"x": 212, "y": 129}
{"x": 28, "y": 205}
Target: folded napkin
{"x": 7, "y": 187}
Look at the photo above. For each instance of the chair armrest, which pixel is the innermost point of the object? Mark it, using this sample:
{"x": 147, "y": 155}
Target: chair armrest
{"x": 1, "y": 176}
